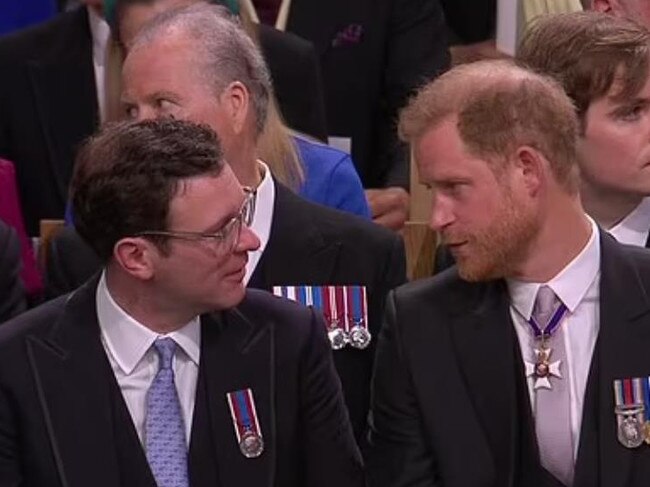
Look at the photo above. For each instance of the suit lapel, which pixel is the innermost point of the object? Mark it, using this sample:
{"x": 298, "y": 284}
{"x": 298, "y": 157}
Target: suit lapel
{"x": 621, "y": 352}
{"x": 235, "y": 355}
{"x": 68, "y": 114}
{"x": 485, "y": 343}
{"x": 296, "y": 252}
{"x": 72, "y": 376}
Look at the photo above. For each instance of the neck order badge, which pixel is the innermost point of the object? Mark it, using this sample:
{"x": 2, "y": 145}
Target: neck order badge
{"x": 345, "y": 309}
{"x": 546, "y": 318}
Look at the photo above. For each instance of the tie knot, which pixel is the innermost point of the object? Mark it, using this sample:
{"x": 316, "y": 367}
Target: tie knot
{"x": 165, "y": 348}
{"x": 546, "y": 303}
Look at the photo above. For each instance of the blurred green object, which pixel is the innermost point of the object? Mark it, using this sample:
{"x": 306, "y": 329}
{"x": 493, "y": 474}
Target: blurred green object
{"x": 233, "y": 5}
{"x": 109, "y": 12}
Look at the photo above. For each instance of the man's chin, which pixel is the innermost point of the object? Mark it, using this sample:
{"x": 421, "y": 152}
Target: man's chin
{"x": 478, "y": 272}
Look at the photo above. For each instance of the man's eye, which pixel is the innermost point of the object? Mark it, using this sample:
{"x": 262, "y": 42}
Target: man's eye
{"x": 632, "y": 113}
{"x": 131, "y": 111}
{"x": 164, "y": 104}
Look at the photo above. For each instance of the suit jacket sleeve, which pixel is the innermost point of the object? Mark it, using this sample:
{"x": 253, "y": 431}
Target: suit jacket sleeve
{"x": 416, "y": 52}
{"x": 331, "y": 455}
{"x": 398, "y": 455}
{"x": 12, "y": 294}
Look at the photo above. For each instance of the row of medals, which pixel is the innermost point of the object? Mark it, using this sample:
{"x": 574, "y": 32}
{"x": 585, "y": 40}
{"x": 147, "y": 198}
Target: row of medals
{"x": 358, "y": 337}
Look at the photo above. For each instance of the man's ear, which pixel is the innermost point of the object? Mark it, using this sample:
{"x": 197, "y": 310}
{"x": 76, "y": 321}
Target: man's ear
{"x": 236, "y": 101}
{"x": 137, "y": 256}
{"x": 603, "y": 6}
{"x": 530, "y": 166}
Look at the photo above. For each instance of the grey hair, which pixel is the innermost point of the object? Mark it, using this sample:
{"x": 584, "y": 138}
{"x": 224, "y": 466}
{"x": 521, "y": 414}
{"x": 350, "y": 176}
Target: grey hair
{"x": 225, "y": 50}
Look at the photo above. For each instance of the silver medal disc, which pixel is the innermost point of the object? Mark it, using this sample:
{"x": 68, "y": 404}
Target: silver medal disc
{"x": 360, "y": 337}
{"x": 630, "y": 431}
{"x": 338, "y": 338}
{"x": 251, "y": 444}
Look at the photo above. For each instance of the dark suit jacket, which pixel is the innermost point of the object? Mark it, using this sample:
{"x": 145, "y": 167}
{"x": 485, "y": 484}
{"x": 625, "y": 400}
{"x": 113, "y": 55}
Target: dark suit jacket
{"x": 308, "y": 244}
{"x": 64, "y": 423}
{"x": 450, "y": 406}
{"x": 312, "y": 244}
{"x": 48, "y": 103}
{"x": 402, "y": 44}
{"x": 470, "y": 20}
{"x": 12, "y": 295}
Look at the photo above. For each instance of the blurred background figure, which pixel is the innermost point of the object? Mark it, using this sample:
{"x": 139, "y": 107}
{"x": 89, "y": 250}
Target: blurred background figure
{"x": 373, "y": 54}
{"x": 12, "y": 296}
{"x": 53, "y": 94}
{"x": 637, "y": 10}
{"x": 321, "y": 174}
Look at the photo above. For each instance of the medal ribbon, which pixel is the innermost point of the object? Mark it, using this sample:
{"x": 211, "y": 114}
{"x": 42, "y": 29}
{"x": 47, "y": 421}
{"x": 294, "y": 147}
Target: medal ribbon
{"x": 646, "y": 396}
{"x": 629, "y": 393}
{"x": 242, "y": 409}
{"x": 328, "y": 304}
{"x": 317, "y": 297}
{"x": 301, "y": 295}
{"x": 339, "y": 307}
{"x": 552, "y": 325}
{"x": 357, "y": 306}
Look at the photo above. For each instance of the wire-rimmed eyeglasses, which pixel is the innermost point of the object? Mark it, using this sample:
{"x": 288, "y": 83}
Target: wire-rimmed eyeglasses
{"x": 223, "y": 240}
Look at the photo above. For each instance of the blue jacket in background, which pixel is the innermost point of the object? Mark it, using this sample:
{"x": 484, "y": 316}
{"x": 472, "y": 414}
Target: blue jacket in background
{"x": 18, "y": 14}
{"x": 331, "y": 178}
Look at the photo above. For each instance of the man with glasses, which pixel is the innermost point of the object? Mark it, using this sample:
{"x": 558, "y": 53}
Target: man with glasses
{"x": 198, "y": 64}
{"x": 163, "y": 370}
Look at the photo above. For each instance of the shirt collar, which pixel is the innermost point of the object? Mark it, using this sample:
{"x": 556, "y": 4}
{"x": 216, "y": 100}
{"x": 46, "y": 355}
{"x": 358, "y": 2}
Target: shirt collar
{"x": 633, "y": 229}
{"x": 100, "y": 32}
{"x": 128, "y": 340}
{"x": 262, "y": 218}
{"x": 570, "y": 284}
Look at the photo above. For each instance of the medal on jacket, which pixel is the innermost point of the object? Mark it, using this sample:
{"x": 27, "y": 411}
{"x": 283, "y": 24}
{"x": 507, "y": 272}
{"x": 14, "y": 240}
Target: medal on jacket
{"x": 247, "y": 427}
{"x": 333, "y": 308}
{"x": 345, "y": 309}
{"x": 357, "y": 302}
{"x": 544, "y": 367}
{"x": 628, "y": 394}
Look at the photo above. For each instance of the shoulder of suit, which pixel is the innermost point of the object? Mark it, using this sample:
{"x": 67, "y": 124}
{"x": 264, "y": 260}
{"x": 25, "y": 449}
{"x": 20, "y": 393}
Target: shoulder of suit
{"x": 34, "y": 42}
{"x": 336, "y": 223}
{"x": 34, "y": 322}
{"x": 446, "y": 290}
{"x": 288, "y": 42}
{"x": 261, "y": 301}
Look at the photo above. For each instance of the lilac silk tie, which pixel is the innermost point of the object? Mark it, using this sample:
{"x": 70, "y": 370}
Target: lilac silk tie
{"x": 553, "y": 406}
{"x": 164, "y": 427}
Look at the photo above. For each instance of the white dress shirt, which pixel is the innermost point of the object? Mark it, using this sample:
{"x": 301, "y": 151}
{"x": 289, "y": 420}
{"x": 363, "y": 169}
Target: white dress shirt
{"x": 577, "y": 286}
{"x": 128, "y": 345}
{"x": 633, "y": 229}
{"x": 262, "y": 218}
{"x": 100, "y": 32}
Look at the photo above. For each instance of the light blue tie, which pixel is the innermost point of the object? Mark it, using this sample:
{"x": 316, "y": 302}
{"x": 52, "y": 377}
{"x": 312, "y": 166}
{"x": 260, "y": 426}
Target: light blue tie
{"x": 164, "y": 428}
